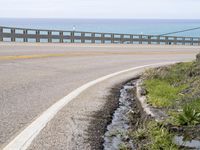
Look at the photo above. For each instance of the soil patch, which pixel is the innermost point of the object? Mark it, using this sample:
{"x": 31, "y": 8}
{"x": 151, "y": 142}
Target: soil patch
{"x": 102, "y": 118}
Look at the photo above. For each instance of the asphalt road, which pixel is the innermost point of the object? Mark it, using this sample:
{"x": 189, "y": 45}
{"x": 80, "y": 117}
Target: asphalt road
{"x": 35, "y": 76}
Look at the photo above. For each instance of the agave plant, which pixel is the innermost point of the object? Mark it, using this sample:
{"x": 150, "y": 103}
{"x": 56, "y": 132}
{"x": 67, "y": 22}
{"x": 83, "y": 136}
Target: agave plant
{"x": 189, "y": 116}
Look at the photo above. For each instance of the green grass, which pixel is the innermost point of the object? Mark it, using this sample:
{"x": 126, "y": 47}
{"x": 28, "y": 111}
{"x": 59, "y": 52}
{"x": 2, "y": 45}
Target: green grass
{"x": 153, "y": 136}
{"x": 177, "y": 73}
{"x": 166, "y": 86}
{"x": 172, "y": 74}
{"x": 195, "y": 104}
{"x": 175, "y": 89}
{"x": 161, "y": 93}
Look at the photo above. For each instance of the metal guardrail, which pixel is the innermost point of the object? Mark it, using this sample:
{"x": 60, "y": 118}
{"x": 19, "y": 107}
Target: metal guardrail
{"x": 8, "y": 34}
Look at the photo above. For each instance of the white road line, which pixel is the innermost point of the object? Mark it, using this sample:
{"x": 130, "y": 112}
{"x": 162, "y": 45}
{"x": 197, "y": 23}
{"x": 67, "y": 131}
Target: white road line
{"x": 25, "y": 138}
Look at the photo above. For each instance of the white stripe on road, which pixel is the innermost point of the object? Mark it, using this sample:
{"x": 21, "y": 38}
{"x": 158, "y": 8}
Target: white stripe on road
{"x": 23, "y": 140}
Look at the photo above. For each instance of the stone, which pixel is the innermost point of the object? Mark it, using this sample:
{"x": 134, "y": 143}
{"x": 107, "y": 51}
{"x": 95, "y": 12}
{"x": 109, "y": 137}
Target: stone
{"x": 143, "y": 92}
{"x": 198, "y": 58}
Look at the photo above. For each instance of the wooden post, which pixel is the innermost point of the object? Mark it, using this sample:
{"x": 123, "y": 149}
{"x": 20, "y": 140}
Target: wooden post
{"x": 49, "y": 37}
{"x": 167, "y": 41}
{"x": 37, "y": 36}
{"x": 191, "y": 41}
{"x": 140, "y": 39}
{"x": 158, "y": 40}
{"x": 183, "y": 41}
{"x": 61, "y": 37}
{"x": 122, "y": 39}
{"x": 1, "y": 34}
{"x": 12, "y": 35}
{"x": 112, "y": 38}
{"x": 25, "y": 36}
{"x": 82, "y": 37}
{"x": 175, "y": 40}
{"x": 102, "y": 38}
{"x": 93, "y": 37}
{"x": 149, "y": 39}
{"x": 131, "y": 39}
{"x": 72, "y": 37}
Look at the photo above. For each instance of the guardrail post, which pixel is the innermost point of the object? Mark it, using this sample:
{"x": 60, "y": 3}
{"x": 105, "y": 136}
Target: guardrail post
{"x": 140, "y": 39}
{"x": 158, "y": 40}
{"x": 191, "y": 41}
{"x": 175, "y": 40}
{"x": 198, "y": 41}
{"x": 61, "y": 37}
{"x": 102, "y": 38}
{"x": 12, "y": 35}
{"x": 183, "y": 41}
{"x": 72, "y": 37}
{"x": 149, "y": 39}
{"x": 131, "y": 39}
{"x": 82, "y": 37}
{"x": 167, "y": 41}
{"x": 37, "y": 36}
{"x": 49, "y": 37}
{"x": 1, "y": 34}
{"x": 25, "y": 35}
{"x": 112, "y": 38}
{"x": 122, "y": 39}
{"x": 93, "y": 37}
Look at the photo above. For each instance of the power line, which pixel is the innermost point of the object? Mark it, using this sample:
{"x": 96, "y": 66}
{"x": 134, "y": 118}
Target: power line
{"x": 191, "y": 29}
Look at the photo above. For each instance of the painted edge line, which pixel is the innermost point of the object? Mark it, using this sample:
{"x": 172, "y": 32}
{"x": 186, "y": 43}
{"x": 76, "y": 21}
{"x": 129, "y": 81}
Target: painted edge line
{"x": 23, "y": 140}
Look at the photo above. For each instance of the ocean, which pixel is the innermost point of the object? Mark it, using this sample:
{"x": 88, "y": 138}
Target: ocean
{"x": 130, "y": 26}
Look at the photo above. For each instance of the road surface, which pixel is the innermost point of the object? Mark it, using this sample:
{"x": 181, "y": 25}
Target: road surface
{"x": 35, "y": 76}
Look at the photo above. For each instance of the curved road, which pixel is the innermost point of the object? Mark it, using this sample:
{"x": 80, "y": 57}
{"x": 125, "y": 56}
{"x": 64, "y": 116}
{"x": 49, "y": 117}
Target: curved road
{"x": 35, "y": 76}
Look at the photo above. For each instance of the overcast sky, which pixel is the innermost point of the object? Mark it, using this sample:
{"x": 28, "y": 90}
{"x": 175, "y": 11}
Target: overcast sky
{"x": 161, "y": 9}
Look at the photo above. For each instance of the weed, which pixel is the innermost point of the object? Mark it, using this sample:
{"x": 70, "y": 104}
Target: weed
{"x": 123, "y": 146}
{"x": 189, "y": 116}
{"x": 156, "y": 136}
{"x": 140, "y": 134}
{"x": 160, "y": 137}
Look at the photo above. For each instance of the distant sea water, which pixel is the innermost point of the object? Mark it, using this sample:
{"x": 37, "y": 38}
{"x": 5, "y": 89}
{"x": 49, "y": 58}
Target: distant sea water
{"x": 130, "y": 26}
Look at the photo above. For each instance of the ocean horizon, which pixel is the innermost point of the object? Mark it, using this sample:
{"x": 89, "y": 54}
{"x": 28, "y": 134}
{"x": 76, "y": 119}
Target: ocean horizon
{"x": 126, "y": 26}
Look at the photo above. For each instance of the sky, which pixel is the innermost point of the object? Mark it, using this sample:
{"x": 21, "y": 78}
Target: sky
{"x": 124, "y": 9}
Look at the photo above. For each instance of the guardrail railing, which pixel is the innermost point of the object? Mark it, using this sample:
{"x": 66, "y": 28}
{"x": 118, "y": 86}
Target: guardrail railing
{"x": 8, "y": 34}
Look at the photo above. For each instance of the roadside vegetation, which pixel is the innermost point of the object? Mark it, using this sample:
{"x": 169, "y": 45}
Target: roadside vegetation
{"x": 175, "y": 90}
{"x": 153, "y": 136}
